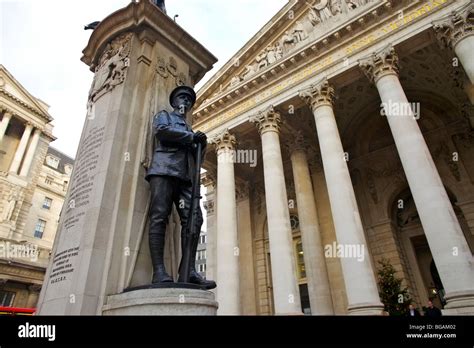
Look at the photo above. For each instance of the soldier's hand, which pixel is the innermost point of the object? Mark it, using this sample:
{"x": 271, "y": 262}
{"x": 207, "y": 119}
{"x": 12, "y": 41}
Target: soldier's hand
{"x": 200, "y": 137}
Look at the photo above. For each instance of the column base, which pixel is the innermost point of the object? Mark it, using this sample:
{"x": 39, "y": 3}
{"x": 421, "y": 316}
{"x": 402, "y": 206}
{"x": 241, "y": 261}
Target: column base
{"x": 459, "y": 303}
{"x": 161, "y": 301}
{"x": 366, "y": 309}
{"x": 290, "y": 314}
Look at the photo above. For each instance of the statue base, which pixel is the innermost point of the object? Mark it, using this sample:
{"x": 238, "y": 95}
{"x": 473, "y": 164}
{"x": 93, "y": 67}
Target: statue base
{"x": 162, "y": 300}
{"x": 169, "y": 285}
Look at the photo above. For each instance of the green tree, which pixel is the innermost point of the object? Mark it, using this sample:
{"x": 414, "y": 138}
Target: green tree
{"x": 394, "y": 298}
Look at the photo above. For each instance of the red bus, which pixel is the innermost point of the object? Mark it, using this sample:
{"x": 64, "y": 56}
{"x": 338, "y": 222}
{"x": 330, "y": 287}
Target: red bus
{"x": 17, "y": 311}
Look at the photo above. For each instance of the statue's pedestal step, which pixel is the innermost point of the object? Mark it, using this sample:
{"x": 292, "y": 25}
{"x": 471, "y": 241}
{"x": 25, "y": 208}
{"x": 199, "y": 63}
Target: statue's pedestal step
{"x": 161, "y": 301}
{"x": 166, "y": 286}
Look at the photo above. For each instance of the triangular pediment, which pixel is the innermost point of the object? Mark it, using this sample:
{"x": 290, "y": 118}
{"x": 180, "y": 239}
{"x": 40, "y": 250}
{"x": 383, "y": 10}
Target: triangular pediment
{"x": 246, "y": 61}
{"x": 297, "y": 25}
{"x": 18, "y": 94}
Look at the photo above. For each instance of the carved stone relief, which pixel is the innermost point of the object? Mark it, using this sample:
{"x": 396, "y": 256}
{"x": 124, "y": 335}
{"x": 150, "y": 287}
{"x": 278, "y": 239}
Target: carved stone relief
{"x": 170, "y": 69}
{"x": 160, "y": 67}
{"x": 14, "y": 199}
{"x": 320, "y": 12}
{"x": 112, "y": 68}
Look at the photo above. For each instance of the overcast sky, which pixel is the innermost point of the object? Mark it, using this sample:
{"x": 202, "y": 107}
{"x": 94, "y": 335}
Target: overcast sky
{"x": 41, "y": 43}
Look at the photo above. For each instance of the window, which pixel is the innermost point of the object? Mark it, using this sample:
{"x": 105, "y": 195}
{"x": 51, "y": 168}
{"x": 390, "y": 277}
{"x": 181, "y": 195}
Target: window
{"x": 295, "y": 223}
{"x": 52, "y": 161}
{"x": 39, "y": 229}
{"x": 202, "y": 268}
{"x": 65, "y": 185}
{"x": 201, "y": 255}
{"x": 47, "y": 203}
{"x": 202, "y": 239}
{"x": 49, "y": 180}
{"x": 300, "y": 268}
{"x": 6, "y": 298}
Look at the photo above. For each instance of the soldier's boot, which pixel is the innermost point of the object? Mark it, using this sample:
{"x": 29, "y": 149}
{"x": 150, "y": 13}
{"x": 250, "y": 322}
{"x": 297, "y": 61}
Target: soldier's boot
{"x": 157, "y": 246}
{"x": 195, "y": 277}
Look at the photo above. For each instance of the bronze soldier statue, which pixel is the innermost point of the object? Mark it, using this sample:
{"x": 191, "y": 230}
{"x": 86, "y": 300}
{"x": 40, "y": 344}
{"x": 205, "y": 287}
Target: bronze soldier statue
{"x": 171, "y": 181}
{"x": 160, "y": 4}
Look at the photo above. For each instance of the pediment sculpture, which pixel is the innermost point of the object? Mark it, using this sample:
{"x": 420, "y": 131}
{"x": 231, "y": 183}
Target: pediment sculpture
{"x": 320, "y": 12}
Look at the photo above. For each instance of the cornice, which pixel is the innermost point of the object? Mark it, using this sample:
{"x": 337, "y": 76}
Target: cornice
{"x": 20, "y": 102}
{"x": 314, "y": 47}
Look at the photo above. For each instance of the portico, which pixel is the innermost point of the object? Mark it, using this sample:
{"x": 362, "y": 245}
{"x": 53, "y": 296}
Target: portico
{"x": 353, "y": 174}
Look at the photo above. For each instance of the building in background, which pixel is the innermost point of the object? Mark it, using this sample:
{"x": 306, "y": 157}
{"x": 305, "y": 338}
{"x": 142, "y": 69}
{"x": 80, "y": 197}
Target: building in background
{"x": 201, "y": 254}
{"x": 33, "y": 183}
{"x": 350, "y": 125}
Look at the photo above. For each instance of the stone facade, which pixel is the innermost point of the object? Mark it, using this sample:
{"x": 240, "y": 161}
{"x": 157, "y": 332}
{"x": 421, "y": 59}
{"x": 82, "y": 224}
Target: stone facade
{"x": 201, "y": 255}
{"x": 31, "y": 192}
{"x": 351, "y": 124}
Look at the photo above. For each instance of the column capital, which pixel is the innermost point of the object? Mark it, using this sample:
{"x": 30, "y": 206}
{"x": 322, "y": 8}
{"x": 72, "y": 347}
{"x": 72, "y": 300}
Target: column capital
{"x": 455, "y": 27}
{"x": 299, "y": 143}
{"x": 224, "y": 141}
{"x": 7, "y": 116}
{"x": 268, "y": 120}
{"x": 319, "y": 94}
{"x": 379, "y": 64}
{"x": 21, "y": 149}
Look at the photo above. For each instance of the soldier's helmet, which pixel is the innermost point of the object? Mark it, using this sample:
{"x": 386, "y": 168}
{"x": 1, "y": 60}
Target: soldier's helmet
{"x": 182, "y": 90}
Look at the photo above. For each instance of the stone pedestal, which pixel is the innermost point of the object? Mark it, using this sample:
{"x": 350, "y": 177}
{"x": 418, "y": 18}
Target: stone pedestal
{"x": 138, "y": 56}
{"x": 163, "y": 301}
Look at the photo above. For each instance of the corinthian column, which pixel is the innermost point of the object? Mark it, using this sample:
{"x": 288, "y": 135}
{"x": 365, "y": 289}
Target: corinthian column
{"x": 457, "y": 32}
{"x": 285, "y": 287}
{"x": 30, "y": 154}
{"x": 361, "y": 288}
{"x": 20, "y": 151}
{"x": 315, "y": 263}
{"x": 228, "y": 294}
{"x": 4, "y": 124}
{"x": 208, "y": 180}
{"x": 447, "y": 243}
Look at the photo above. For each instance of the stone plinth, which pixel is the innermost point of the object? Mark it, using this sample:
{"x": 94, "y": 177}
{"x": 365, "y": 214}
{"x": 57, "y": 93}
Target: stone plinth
{"x": 161, "y": 301}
